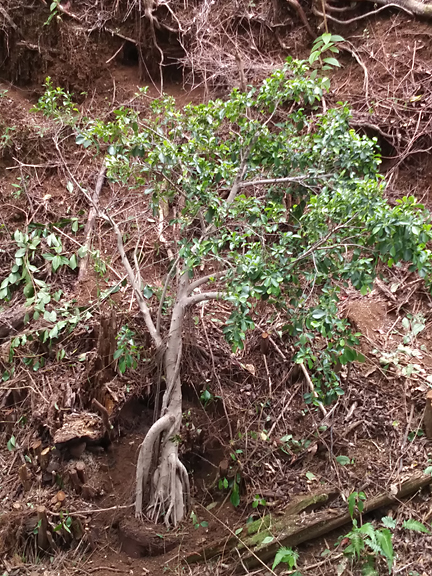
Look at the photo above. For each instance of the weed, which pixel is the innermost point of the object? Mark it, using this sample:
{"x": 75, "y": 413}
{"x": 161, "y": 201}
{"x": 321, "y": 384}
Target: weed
{"x": 127, "y": 353}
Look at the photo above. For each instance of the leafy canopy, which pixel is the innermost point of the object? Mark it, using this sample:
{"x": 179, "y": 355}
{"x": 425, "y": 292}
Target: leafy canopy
{"x": 292, "y": 243}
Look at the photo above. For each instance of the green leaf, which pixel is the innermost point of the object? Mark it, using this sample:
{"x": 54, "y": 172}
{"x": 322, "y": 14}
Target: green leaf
{"x": 384, "y": 538}
{"x": 148, "y": 291}
{"x": 235, "y": 495}
{"x": 415, "y": 526}
{"x": 326, "y": 38}
{"x": 331, "y": 62}
{"x": 28, "y": 290}
{"x": 267, "y": 540}
{"x": 286, "y": 555}
{"x": 210, "y": 214}
{"x": 389, "y": 522}
{"x": 70, "y": 187}
{"x": 56, "y": 262}
{"x": 11, "y": 444}
{"x": 317, "y": 314}
{"x": 73, "y": 263}
{"x": 343, "y": 460}
{"x": 50, "y": 316}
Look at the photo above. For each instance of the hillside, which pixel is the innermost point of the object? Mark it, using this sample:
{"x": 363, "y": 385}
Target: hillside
{"x": 242, "y": 269}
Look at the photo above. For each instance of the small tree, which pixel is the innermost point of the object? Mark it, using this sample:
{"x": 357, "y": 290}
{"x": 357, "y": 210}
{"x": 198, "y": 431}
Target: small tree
{"x": 270, "y": 200}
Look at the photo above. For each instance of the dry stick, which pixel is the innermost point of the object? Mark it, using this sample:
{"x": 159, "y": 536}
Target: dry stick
{"x": 405, "y": 438}
{"x": 217, "y": 377}
{"x": 296, "y": 5}
{"x": 268, "y": 375}
{"x": 312, "y": 389}
{"x": 88, "y": 231}
{"x": 9, "y": 20}
{"x": 366, "y": 75}
{"x": 351, "y": 20}
{"x": 323, "y": 4}
{"x": 116, "y": 52}
{"x": 285, "y": 408}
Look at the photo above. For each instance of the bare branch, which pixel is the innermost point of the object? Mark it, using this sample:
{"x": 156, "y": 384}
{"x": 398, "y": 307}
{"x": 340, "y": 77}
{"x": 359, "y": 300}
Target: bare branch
{"x": 88, "y": 231}
{"x": 277, "y": 180}
{"x": 197, "y": 283}
{"x": 135, "y": 284}
{"x": 203, "y": 297}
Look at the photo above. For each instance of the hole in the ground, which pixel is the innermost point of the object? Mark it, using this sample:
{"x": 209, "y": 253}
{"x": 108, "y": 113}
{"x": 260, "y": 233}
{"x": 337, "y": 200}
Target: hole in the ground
{"x": 173, "y": 74}
{"x": 130, "y": 54}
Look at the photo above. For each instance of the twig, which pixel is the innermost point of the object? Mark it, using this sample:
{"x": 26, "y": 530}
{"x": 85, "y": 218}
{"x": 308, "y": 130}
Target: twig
{"x": 363, "y": 16}
{"x": 312, "y": 389}
{"x": 221, "y": 392}
{"x": 285, "y": 408}
{"x": 296, "y": 5}
{"x": 115, "y": 53}
{"x": 268, "y": 375}
{"x": 91, "y": 221}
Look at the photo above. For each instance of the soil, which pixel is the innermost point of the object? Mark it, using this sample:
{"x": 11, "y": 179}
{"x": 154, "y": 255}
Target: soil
{"x": 377, "y": 424}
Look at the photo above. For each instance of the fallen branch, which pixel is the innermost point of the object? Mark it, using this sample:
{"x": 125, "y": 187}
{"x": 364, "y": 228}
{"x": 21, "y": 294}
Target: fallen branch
{"x": 265, "y": 536}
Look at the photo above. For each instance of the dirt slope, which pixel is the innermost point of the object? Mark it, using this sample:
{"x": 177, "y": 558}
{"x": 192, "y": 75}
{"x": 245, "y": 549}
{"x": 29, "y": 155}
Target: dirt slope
{"x": 102, "y": 54}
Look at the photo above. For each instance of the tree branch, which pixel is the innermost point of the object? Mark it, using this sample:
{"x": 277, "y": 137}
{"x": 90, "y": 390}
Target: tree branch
{"x": 203, "y": 297}
{"x": 164, "y": 291}
{"x": 276, "y": 180}
{"x": 135, "y": 284}
{"x": 197, "y": 283}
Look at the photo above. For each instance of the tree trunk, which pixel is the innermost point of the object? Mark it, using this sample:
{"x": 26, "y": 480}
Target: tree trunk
{"x": 170, "y": 484}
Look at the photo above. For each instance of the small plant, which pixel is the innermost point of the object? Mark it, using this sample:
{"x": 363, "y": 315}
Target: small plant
{"x": 127, "y": 353}
{"x": 20, "y": 187}
{"x": 206, "y": 397}
{"x": 287, "y": 556}
{"x": 322, "y": 44}
{"x": 258, "y": 501}
{"x": 367, "y": 543}
{"x": 356, "y": 502}
{"x": 413, "y": 324}
{"x": 64, "y": 524}
{"x": 11, "y": 444}
{"x": 290, "y": 445}
{"x": 196, "y": 522}
{"x": 56, "y": 102}
{"x": 233, "y": 485}
{"x": 6, "y": 137}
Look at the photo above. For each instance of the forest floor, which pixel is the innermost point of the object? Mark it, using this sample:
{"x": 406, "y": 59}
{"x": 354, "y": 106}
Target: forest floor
{"x": 372, "y": 440}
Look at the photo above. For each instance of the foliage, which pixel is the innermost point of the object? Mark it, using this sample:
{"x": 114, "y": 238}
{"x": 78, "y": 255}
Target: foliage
{"x": 206, "y": 397}
{"x": 40, "y": 253}
{"x": 127, "y": 353}
{"x": 356, "y": 502}
{"x": 367, "y": 543}
{"x": 324, "y": 43}
{"x": 56, "y": 103}
{"x": 196, "y": 522}
{"x": 282, "y": 242}
{"x": 258, "y": 501}
{"x": 288, "y": 556}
